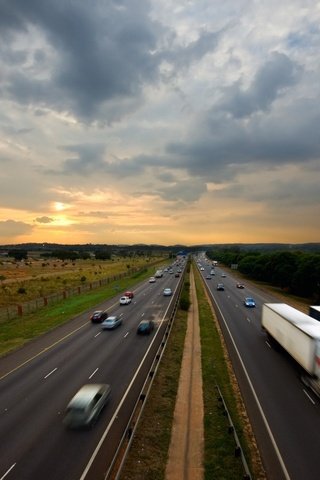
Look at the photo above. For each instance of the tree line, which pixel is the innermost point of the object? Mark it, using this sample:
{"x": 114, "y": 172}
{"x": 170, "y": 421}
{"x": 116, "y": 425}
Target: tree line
{"x": 293, "y": 271}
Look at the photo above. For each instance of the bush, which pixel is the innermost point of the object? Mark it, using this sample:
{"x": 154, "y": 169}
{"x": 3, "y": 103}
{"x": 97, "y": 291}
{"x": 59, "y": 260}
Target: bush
{"x": 21, "y": 290}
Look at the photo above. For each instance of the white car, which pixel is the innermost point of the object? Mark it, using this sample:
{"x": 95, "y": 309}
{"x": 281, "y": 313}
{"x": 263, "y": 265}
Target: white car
{"x": 152, "y": 280}
{"x": 125, "y": 300}
{"x": 167, "y": 292}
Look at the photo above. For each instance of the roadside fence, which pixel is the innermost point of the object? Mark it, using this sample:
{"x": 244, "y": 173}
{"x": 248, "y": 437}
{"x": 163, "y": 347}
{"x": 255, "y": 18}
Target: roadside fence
{"x": 18, "y": 310}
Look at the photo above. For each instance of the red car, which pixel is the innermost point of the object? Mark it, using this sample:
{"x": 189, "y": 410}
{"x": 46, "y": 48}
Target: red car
{"x": 128, "y": 294}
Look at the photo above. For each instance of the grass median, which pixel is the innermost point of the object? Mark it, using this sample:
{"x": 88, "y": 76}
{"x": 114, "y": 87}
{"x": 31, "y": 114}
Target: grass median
{"x": 220, "y": 461}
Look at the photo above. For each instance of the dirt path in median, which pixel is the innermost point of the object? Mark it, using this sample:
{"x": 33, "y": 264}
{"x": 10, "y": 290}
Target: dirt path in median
{"x": 187, "y": 438}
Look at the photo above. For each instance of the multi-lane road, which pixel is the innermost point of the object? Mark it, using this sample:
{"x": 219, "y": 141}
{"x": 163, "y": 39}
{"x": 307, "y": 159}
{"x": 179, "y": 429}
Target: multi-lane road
{"x": 285, "y": 416}
{"x": 37, "y": 382}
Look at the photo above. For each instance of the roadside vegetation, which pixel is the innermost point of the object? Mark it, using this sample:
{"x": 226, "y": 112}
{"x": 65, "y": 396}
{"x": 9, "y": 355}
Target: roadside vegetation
{"x": 220, "y": 460}
{"x": 24, "y": 280}
{"x": 16, "y": 332}
{"x": 148, "y": 455}
{"x": 293, "y": 272}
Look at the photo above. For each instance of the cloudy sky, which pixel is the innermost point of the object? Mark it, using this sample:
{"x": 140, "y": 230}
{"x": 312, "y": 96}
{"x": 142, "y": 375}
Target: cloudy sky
{"x": 159, "y": 121}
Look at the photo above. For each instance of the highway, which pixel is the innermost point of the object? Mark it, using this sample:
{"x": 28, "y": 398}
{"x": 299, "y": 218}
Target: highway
{"x": 38, "y": 381}
{"x": 284, "y": 415}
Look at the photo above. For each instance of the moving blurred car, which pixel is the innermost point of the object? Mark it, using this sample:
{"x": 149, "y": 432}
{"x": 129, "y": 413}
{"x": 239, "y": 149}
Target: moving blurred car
{"x": 202, "y": 269}
{"x": 98, "y": 316}
{"x": 177, "y": 274}
{"x": 240, "y": 285}
{"x": 220, "y": 286}
{"x": 223, "y": 275}
{"x": 167, "y": 292}
{"x": 125, "y": 300}
{"x": 208, "y": 277}
{"x": 128, "y": 294}
{"x": 85, "y": 407}
{"x": 152, "y": 280}
{"x": 111, "y": 322}
{"x": 212, "y": 272}
{"x": 145, "y": 327}
{"x": 249, "y": 302}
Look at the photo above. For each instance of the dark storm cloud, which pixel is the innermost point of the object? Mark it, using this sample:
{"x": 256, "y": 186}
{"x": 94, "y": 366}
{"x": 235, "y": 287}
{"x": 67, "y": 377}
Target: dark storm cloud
{"x": 92, "y": 160}
{"x": 183, "y": 56}
{"x": 102, "y": 52}
{"x": 276, "y": 75}
{"x": 221, "y": 145}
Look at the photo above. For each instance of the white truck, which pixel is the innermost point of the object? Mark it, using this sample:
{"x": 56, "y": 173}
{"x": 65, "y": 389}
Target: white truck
{"x": 299, "y": 335}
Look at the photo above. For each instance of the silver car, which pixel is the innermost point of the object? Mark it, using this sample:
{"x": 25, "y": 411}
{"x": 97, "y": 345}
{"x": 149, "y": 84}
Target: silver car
{"x": 111, "y": 322}
{"x": 85, "y": 407}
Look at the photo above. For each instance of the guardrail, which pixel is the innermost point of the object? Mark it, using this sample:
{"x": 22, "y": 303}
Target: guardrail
{"x": 117, "y": 463}
{"x": 238, "y": 449}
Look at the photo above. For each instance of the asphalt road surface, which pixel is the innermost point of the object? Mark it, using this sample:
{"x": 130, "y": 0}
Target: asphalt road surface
{"x": 284, "y": 415}
{"x": 38, "y": 381}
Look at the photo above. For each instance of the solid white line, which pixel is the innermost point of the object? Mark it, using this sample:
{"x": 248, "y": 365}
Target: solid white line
{"x": 311, "y": 399}
{"x": 50, "y": 373}
{"x": 8, "y": 471}
{"x": 275, "y": 446}
{"x": 93, "y": 373}
{"x": 116, "y": 413}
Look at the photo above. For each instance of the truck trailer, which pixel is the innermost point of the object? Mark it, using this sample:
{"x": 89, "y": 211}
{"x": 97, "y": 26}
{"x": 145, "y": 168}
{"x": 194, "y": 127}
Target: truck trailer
{"x": 299, "y": 335}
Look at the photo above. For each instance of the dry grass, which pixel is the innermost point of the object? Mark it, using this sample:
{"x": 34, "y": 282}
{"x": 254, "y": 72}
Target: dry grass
{"x": 42, "y": 278}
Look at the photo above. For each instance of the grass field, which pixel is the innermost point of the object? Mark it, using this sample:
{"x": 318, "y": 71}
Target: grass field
{"x": 16, "y": 332}
{"x": 24, "y": 281}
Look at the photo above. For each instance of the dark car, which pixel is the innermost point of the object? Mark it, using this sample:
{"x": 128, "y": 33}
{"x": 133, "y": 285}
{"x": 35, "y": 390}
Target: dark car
{"x": 240, "y": 285}
{"x": 145, "y": 327}
{"x": 220, "y": 286}
{"x": 98, "y": 316}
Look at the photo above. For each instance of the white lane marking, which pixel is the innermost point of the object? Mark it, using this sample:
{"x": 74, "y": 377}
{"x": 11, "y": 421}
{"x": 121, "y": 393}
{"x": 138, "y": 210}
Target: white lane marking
{"x": 99, "y": 333}
{"x": 248, "y": 319}
{"x": 268, "y": 344}
{"x": 93, "y": 373}
{"x": 8, "y": 471}
{"x": 43, "y": 351}
{"x": 50, "y": 373}
{"x": 126, "y": 335}
{"x": 115, "y": 415}
{"x": 264, "y": 418}
{"x": 311, "y": 399}
{"x": 142, "y": 315}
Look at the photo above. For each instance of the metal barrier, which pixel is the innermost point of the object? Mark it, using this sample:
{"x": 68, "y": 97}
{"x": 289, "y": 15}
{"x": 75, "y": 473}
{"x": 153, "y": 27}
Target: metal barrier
{"x": 126, "y": 440}
{"x": 238, "y": 449}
